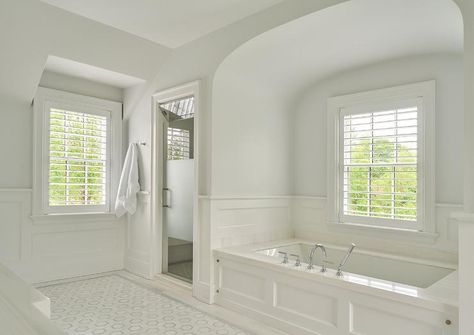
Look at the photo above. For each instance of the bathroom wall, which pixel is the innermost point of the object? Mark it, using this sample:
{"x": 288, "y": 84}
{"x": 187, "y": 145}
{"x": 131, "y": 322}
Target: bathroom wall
{"x": 309, "y": 150}
{"x": 250, "y": 138}
{"x": 30, "y": 31}
{"x": 199, "y": 60}
{"x": 43, "y": 248}
{"x": 245, "y": 194}
{"x": 62, "y": 82}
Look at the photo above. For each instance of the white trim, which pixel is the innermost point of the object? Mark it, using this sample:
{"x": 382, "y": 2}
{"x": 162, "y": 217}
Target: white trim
{"x": 7, "y": 189}
{"x": 74, "y": 218}
{"x": 383, "y": 232}
{"x": 426, "y": 145}
{"x": 463, "y": 217}
{"x": 48, "y": 97}
{"x": 244, "y": 197}
{"x": 185, "y": 90}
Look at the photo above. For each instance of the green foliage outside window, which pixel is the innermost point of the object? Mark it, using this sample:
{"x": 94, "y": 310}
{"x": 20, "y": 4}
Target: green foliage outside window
{"x": 381, "y": 180}
{"x": 77, "y": 167}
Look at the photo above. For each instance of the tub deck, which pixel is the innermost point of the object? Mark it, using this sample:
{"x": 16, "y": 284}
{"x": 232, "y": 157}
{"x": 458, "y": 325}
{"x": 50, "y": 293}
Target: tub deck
{"x": 306, "y": 302}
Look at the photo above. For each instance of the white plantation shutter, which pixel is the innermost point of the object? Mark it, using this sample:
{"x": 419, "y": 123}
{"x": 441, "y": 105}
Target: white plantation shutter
{"x": 379, "y": 172}
{"x": 78, "y": 160}
{"x": 178, "y": 144}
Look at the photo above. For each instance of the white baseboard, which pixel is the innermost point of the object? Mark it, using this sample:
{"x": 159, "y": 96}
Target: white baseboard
{"x": 202, "y": 292}
{"x": 138, "y": 267}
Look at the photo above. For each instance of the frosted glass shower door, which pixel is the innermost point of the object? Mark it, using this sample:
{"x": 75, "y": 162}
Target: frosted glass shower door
{"x": 179, "y": 216}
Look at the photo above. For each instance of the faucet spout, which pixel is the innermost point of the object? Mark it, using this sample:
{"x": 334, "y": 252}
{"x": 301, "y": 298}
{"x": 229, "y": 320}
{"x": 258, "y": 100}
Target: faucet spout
{"x": 311, "y": 257}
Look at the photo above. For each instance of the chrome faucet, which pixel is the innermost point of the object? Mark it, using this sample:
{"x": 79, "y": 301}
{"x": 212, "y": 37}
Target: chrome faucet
{"x": 311, "y": 257}
{"x": 344, "y": 260}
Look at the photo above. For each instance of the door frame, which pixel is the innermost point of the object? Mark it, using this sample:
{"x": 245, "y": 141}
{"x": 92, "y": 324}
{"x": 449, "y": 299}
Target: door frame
{"x": 157, "y": 147}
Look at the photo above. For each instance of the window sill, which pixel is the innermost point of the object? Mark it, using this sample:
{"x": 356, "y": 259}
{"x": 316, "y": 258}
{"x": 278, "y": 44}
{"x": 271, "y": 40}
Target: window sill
{"x": 74, "y": 218}
{"x": 387, "y": 232}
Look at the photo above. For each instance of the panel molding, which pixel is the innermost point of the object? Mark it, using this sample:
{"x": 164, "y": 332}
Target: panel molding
{"x": 243, "y": 220}
{"x": 309, "y": 222}
{"x": 57, "y": 247}
{"x": 310, "y": 307}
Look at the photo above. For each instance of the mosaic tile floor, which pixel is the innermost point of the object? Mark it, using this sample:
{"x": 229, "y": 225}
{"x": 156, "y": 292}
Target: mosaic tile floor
{"x": 113, "y": 305}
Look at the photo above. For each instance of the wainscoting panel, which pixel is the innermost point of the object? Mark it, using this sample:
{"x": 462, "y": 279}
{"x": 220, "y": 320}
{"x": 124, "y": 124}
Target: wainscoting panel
{"x": 309, "y": 222}
{"x": 363, "y": 322}
{"x": 56, "y": 247}
{"x": 15, "y": 207}
{"x": 138, "y": 239}
{"x": 302, "y": 303}
{"x": 244, "y": 220}
{"x": 229, "y": 221}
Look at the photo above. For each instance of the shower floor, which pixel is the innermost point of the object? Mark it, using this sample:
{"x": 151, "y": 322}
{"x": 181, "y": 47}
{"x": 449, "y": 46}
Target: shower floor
{"x": 180, "y": 259}
{"x": 182, "y": 270}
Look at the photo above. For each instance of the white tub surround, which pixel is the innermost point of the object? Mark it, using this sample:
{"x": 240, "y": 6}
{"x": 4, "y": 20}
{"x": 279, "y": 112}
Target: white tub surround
{"x": 302, "y": 301}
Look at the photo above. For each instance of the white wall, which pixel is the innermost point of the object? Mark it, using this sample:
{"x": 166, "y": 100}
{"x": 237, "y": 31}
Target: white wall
{"x": 46, "y": 249}
{"x": 30, "y": 31}
{"x": 310, "y": 139}
{"x": 235, "y": 188}
{"x": 81, "y": 86}
{"x": 310, "y": 119}
{"x": 250, "y": 138}
{"x": 197, "y": 60}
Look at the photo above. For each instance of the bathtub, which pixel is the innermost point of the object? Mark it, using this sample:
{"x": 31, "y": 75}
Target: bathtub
{"x": 373, "y": 265}
{"x": 378, "y": 294}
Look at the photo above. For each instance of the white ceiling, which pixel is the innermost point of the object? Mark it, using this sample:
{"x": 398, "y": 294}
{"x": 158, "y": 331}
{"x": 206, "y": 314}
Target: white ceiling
{"x": 169, "y": 22}
{"x": 343, "y": 37}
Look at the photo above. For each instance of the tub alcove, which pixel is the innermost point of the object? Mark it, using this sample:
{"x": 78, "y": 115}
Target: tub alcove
{"x": 269, "y": 134}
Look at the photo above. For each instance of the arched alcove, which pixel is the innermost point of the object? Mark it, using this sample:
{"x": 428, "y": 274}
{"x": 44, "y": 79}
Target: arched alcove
{"x": 259, "y": 85}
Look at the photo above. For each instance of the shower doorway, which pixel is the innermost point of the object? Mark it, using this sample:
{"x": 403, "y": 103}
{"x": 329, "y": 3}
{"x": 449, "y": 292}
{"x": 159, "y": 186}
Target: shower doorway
{"x": 176, "y": 182}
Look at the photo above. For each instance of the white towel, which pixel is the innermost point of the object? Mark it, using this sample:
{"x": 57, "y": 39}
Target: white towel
{"x": 128, "y": 187}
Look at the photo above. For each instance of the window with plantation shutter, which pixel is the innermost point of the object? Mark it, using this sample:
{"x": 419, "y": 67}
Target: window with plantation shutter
{"x": 77, "y": 151}
{"x": 380, "y": 170}
{"x": 381, "y": 158}
{"x": 78, "y": 164}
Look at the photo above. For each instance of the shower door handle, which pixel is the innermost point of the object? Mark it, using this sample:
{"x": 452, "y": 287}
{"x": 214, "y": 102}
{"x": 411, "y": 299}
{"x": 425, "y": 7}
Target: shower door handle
{"x": 166, "y": 202}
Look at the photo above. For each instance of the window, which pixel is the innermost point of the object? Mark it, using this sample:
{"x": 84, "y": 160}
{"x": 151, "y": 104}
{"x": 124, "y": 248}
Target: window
{"x": 180, "y": 115}
{"x": 77, "y": 158}
{"x": 180, "y": 109}
{"x": 178, "y": 144}
{"x": 383, "y": 157}
{"x": 379, "y": 168}
{"x": 76, "y": 144}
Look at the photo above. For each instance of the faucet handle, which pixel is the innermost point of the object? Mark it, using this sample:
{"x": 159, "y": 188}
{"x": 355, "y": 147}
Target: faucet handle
{"x": 298, "y": 260}
{"x": 285, "y": 257}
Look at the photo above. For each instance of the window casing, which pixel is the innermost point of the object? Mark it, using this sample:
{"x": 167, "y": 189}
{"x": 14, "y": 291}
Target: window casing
{"x": 77, "y": 153}
{"x": 381, "y": 158}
